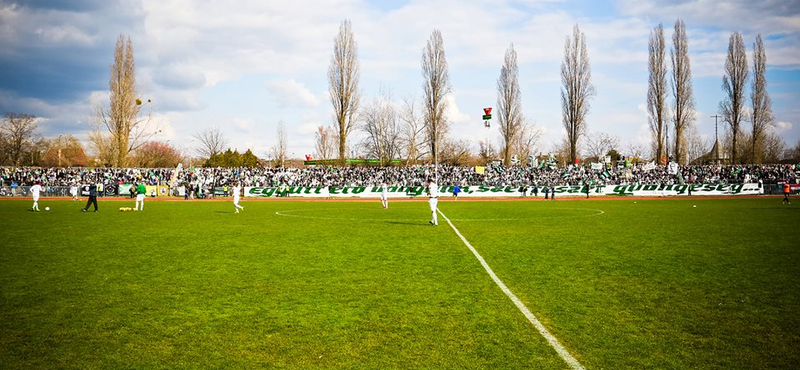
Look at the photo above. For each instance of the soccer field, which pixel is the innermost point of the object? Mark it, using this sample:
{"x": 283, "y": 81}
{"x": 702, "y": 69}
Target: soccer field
{"x": 621, "y": 284}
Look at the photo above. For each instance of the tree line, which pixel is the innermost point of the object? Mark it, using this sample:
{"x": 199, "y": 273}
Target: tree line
{"x": 122, "y": 131}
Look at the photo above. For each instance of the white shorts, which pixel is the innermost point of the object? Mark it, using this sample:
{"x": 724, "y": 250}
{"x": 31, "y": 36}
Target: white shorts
{"x": 235, "y": 200}
{"x": 140, "y": 197}
{"x": 35, "y": 198}
{"x": 384, "y": 196}
{"x": 433, "y": 202}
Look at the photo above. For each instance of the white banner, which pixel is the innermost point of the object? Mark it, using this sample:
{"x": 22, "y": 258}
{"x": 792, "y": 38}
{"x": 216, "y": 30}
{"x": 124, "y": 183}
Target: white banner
{"x": 509, "y": 191}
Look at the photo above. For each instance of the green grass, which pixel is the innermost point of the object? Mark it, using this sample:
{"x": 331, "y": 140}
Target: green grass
{"x": 644, "y": 284}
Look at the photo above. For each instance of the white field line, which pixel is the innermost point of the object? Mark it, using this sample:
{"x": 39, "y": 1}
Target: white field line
{"x": 571, "y": 361}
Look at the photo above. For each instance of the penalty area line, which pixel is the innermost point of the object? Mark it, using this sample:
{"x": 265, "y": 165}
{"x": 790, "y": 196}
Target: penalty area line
{"x": 551, "y": 339}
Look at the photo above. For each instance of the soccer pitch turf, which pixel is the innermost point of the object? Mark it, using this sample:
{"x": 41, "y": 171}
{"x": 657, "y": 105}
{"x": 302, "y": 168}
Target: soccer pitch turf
{"x": 628, "y": 283}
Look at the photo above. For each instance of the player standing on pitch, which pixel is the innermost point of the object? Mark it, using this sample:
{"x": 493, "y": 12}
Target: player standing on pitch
{"x": 384, "y": 196}
{"x": 433, "y": 200}
{"x": 786, "y": 191}
{"x": 35, "y": 190}
{"x": 73, "y": 190}
{"x": 237, "y": 189}
{"x": 141, "y": 193}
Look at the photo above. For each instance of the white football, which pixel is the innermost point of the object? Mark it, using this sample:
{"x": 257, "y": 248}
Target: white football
{"x": 46, "y": 208}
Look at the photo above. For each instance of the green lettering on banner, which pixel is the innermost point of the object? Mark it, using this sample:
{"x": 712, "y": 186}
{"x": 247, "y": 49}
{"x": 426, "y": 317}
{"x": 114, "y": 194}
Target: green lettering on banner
{"x": 508, "y": 190}
{"x": 620, "y": 189}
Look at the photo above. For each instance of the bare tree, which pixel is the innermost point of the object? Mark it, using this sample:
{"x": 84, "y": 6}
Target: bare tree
{"x": 733, "y": 84}
{"x": 156, "y": 154}
{"x": 509, "y": 105}
{"x": 599, "y": 144}
{"x": 486, "y": 151}
{"x": 279, "y": 151}
{"x": 210, "y": 142}
{"x": 4, "y": 148}
{"x": 681, "y": 89}
{"x": 122, "y": 121}
{"x": 526, "y": 141}
{"x": 576, "y": 76}
{"x": 774, "y": 148}
{"x": 383, "y": 133}
{"x": 762, "y": 118}
{"x": 19, "y": 131}
{"x": 793, "y": 154}
{"x": 696, "y": 145}
{"x": 343, "y": 76}
{"x": 635, "y": 151}
{"x": 411, "y": 131}
{"x": 456, "y": 152}
{"x": 436, "y": 86}
{"x": 657, "y": 90}
{"x": 64, "y": 150}
{"x": 324, "y": 142}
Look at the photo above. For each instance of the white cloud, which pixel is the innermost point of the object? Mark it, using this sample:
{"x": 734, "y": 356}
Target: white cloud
{"x": 203, "y": 62}
{"x": 292, "y": 93}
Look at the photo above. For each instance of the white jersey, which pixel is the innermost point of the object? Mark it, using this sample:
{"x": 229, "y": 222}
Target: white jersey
{"x": 35, "y": 190}
{"x": 73, "y": 190}
{"x": 236, "y": 190}
{"x": 433, "y": 190}
{"x": 384, "y": 191}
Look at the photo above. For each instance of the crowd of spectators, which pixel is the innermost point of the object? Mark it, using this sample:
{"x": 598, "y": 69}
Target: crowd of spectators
{"x": 491, "y": 175}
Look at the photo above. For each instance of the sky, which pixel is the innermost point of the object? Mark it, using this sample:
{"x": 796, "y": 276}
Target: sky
{"x": 243, "y": 66}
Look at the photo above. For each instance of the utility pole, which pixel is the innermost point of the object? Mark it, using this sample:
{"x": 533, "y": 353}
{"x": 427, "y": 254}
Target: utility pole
{"x": 716, "y": 138}
{"x": 716, "y": 130}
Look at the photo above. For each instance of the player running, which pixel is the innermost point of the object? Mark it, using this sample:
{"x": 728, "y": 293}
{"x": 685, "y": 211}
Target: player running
{"x": 35, "y": 190}
{"x": 237, "y": 189}
{"x": 433, "y": 200}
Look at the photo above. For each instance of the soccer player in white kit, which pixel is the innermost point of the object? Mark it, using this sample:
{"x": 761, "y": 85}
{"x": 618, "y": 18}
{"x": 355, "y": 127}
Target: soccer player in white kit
{"x": 384, "y": 196}
{"x": 35, "y": 190}
{"x": 73, "y": 190}
{"x": 237, "y": 189}
{"x": 433, "y": 200}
